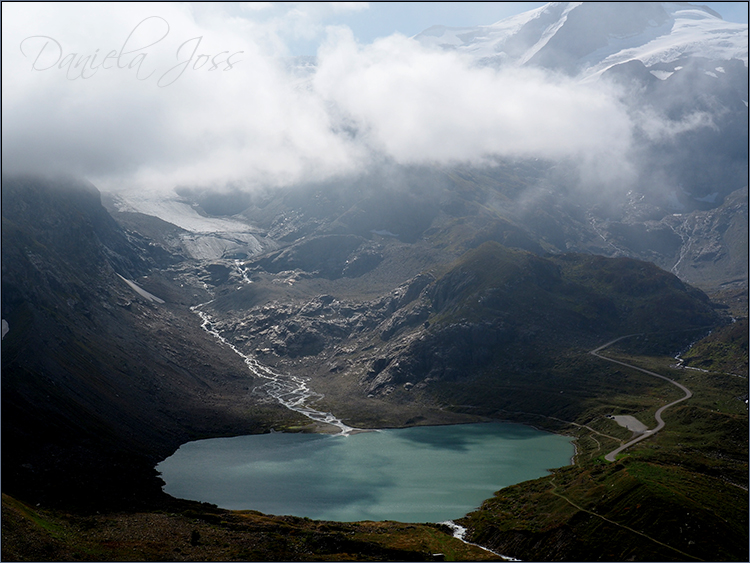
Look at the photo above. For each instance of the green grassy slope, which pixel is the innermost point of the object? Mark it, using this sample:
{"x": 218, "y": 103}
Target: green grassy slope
{"x": 509, "y": 330}
{"x": 678, "y": 496}
{"x": 724, "y": 350}
{"x": 194, "y": 532}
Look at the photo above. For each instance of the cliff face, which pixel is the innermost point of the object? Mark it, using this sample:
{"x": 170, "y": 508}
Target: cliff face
{"x": 99, "y": 383}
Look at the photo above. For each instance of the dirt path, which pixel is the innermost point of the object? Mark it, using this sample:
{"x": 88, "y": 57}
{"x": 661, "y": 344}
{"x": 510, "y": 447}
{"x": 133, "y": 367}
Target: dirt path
{"x": 659, "y": 422}
{"x": 554, "y": 492}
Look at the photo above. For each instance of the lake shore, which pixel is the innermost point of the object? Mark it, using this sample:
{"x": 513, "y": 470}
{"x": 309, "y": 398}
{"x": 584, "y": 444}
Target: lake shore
{"x": 416, "y": 474}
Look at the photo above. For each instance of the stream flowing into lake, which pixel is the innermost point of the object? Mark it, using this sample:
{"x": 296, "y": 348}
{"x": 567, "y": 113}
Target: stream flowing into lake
{"x": 419, "y": 474}
{"x": 290, "y": 391}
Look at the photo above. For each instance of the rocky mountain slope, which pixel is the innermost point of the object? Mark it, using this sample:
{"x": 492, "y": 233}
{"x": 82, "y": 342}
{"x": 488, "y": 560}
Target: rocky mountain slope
{"x": 588, "y": 38}
{"x": 100, "y": 382}
{"x": 494, "y": 314}
{"x": 367, "y": 314}
{"x": 676, "y": 66}
{"x": 102, "y": 378}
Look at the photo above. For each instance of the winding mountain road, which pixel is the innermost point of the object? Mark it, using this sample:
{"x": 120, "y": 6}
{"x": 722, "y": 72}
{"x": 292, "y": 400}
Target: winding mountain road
{"x": 659, "y": 422}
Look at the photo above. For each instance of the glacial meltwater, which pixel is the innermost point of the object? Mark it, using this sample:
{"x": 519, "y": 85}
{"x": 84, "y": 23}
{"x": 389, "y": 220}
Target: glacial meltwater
{"x": 420, "y": 474}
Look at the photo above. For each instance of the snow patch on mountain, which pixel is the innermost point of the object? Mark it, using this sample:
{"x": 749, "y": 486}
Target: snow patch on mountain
{"x": 213, "y": 246}
{"x": 653, "y": 33}
{"x": 661, "y": 74}
{"x": 688, "y": 32}
{"x": 208, "y": 238}
{"x": 549, "y": 32}
{"x": 479, "y": 41}
{"x": 178, "y": 213}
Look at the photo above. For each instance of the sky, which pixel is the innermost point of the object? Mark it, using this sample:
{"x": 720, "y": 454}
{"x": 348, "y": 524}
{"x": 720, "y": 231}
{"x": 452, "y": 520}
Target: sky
{"x": 380, "y": 19}
{"x": 372, "y": 20}
{"x": 159, "y": 95}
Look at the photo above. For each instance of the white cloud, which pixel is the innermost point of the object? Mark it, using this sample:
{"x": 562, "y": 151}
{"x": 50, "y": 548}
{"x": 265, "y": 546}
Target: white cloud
{"x": 657, "y": 127}
{"x": 256, "y": 6}
{"x": 168, "y": 120}
{"x": 418, "y": 105}
{"x": 349, "y": 6}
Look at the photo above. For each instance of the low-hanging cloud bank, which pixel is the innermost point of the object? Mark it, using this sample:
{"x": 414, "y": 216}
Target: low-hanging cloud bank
{"x": 167, "y": 95}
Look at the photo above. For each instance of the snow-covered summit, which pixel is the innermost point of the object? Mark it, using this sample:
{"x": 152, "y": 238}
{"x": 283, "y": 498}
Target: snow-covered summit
{"x": 587, "y": 38}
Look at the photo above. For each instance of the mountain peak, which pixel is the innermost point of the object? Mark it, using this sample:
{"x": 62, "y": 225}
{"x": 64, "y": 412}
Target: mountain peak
{"x": 587, "y": 38}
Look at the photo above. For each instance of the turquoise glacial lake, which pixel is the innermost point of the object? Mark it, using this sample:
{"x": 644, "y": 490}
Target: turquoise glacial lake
{"x": 420, "y": 474}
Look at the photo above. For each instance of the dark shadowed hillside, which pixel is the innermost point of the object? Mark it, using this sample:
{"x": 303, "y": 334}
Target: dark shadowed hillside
{"x": 99, "y": 383}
